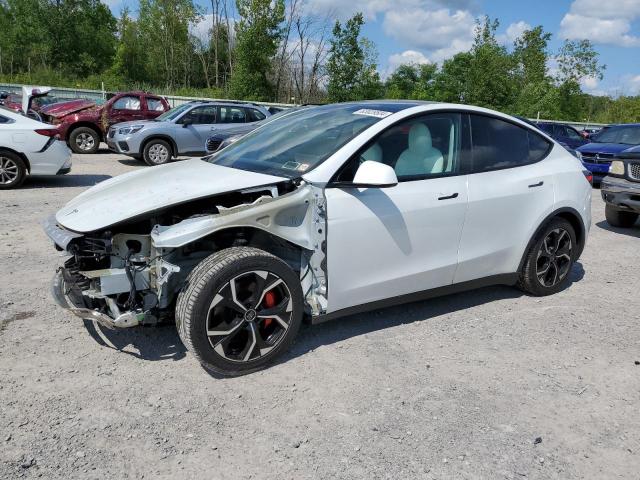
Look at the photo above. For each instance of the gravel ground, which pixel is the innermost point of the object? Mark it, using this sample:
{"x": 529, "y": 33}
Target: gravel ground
{"x": 488, "y": 384}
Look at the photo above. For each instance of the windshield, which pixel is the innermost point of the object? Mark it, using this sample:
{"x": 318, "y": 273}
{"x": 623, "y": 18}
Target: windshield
{"x": 626, "y": 135}
{"x": 173, "y": 113}
{"x": 299, "y": 141}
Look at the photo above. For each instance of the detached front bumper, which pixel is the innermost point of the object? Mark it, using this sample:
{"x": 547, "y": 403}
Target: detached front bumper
{"x": 621, "y": 193}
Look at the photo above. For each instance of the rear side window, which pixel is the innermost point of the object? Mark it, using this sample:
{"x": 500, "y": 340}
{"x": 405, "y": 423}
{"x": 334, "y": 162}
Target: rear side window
{"x": 232, "y": 115}
{"x": 155, "y": 105}
{"x": 499, "y": 144}
{"x": 255, "y": 115}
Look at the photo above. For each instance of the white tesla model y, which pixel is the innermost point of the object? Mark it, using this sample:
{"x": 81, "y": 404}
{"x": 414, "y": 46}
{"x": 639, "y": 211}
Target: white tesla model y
{"x": 328, "y": 211}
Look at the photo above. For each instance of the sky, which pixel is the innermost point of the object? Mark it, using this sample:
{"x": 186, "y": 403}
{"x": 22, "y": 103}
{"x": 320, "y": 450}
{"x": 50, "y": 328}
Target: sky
{"x": 422, "y": 31}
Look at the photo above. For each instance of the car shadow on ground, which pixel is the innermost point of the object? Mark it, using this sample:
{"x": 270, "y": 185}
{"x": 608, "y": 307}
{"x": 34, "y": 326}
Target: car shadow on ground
{"x": 132, "y": 162}
{"x": 163, "y": 342}
{"x": 63, "y": 181}
{"x": 631, "y": 232}
{"x": 152, "y": 344}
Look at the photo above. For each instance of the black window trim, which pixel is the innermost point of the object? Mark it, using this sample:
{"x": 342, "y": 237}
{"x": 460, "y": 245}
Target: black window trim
{"x": 506, "y": 120}
{"x": 465, "y": 163}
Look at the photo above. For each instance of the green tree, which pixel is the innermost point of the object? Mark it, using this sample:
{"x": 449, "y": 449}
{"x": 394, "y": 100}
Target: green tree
{"x": 130, "y": 61}
{"x": 412, "y": 82}
{"x": 351, "y": 67}
{"x": 451, "y": 83}
{"x": 531, "y": 55}
{"x": 258, "y": 33}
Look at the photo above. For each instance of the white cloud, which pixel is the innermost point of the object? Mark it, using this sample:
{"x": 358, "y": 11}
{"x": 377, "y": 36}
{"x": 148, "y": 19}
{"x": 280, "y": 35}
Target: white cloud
{"x": 603, "y": 22}
{"x": 513, "y": 32}
{"x": 429, "y": 29}
{"x": 408, "y": 57}
{"x": 371, "y": 8}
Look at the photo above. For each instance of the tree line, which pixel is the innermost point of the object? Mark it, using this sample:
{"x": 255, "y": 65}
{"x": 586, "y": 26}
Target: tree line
{"x": 277, "y": 51}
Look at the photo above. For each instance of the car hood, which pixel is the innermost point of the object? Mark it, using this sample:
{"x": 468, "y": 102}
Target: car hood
{"x": 151, "y": 189}
{"x": 62, "y": 109}
{"x": 603, "y": 148}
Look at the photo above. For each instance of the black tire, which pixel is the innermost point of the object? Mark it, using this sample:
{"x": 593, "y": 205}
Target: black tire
{"x": 157, "y": 152}
{"x": 13, "y": 171}
{"x": 544, "y": 252}
{"x": 619, "y": 218}
{"x": 233, "y": 351}
{"x": 84, "y": 140}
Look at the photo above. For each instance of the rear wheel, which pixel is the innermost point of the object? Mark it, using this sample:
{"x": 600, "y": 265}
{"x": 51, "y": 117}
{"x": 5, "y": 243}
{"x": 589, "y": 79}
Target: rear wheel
{"x": 549, "y": 260}
{"x": 240, "y": 309}
{"x": 13, "y": 171}
{"x": 156, "y": 152}
{"x": 84, "y": 140}
{"x": 619, "y": 218}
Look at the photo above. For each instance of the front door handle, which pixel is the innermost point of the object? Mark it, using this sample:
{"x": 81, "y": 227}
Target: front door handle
{"x": 539, "y": 184}
{"x": 449, "y": 197}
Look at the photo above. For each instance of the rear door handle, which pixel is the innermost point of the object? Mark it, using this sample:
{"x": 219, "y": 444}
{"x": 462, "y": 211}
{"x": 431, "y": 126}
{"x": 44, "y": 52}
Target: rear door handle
{"x": 539, "y": 184}
{"x": 449, "y": 197}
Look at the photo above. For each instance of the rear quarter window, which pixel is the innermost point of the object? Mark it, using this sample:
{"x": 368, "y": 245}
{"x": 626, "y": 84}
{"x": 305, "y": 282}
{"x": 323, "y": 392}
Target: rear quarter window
{"x": 498, "y": 144}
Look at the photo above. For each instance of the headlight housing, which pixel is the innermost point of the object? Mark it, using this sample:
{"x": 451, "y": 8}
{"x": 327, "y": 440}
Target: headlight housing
{"x": 130, "y": 129}
{"x": 617, "y": 168}
{"x": 578, "y": 155}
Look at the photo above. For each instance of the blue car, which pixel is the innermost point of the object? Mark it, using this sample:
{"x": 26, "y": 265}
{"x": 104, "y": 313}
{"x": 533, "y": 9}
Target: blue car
{"x": 597, "y": 155}
{"x": 563, "y": 134}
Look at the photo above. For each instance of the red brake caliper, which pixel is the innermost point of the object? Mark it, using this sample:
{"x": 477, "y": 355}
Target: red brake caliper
{"x": 269, "y": 302}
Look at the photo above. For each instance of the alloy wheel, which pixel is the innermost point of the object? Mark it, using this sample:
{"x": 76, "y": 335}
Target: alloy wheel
{"x": 249, "y": 316}
{"x": 554, "y": 257}
{"x": 85, "y": 141}
{"x": 9, "y": 171}
{"x": 158, "y": 153}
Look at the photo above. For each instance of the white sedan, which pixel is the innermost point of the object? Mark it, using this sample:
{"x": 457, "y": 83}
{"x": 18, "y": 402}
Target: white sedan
{"x": 29, "y": 147}
{"x": 322, "y": 213}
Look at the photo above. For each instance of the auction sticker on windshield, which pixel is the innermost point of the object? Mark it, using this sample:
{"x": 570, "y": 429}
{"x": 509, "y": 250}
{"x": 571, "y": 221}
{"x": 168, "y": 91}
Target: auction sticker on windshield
{"x": 372, "y": 113}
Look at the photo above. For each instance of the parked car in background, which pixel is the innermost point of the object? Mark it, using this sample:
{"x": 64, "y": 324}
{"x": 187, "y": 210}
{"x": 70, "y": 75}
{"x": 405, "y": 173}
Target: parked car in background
{"x": 606, "y": 145}
{"x": 326, "y": 212}
{"x": 32, "y": 100}
{"x": 182, "y": 130}
{"x": 563, "y": 133}
{"x": 620, "y": 189}
{"x": 223, "y": 138}
{"x": 29, "y": 147}
{"x": 84, "y": 123}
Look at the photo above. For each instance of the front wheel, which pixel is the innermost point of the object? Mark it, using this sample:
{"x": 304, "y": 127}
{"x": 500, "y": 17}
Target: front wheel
{"x": 619, "y": 218}
{"x": 549, "y": 260}
{"x": 239, "y": 310}
{"x": 156, "y": 152}
{"x": 84, "y": 140}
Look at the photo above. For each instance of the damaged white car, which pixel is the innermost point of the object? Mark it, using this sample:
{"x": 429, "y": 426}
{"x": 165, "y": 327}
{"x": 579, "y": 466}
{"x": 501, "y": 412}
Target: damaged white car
{"x": 325, "y": 212}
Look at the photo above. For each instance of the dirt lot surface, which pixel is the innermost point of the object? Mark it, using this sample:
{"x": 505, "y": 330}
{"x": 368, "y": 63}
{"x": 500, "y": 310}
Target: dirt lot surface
{"x": 489, "y": 384}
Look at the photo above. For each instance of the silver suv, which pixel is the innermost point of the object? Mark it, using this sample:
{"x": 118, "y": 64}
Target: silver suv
{"x": 183, "y": 130}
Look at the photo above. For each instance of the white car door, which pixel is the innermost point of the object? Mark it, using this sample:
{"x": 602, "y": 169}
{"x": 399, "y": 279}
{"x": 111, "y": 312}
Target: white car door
{"x": 385, "y": 242}
{"x": 510, "y": 192}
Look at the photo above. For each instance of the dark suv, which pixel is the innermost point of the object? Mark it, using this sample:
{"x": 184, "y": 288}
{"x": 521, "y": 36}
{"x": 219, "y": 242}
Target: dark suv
{"x": 621, "y": 189}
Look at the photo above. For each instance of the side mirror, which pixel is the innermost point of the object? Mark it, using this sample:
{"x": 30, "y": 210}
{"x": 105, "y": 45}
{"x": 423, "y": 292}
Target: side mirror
{"x": 375, "y": 174}
{"x": 186, "y": 122}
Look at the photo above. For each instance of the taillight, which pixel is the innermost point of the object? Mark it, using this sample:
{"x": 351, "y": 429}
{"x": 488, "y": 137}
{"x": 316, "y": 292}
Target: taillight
{"x": 588, "y": 175}
{"x": 49, "y": 132}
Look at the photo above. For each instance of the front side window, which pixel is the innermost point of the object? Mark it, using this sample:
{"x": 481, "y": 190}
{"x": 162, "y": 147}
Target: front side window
{"x": 232, "y": 115}
{"x": 499, "y": 144}
{"x": 155, "y": 104}
{"x": 572, "y": 134}
{"x": 127, "y": 103}
{"x": 299, "y": 141}
{"x": 418, "y": 148}
{"x": 201, "y": 115}
{"x": 255, "y": 115}
{"x": 173, "y": 113}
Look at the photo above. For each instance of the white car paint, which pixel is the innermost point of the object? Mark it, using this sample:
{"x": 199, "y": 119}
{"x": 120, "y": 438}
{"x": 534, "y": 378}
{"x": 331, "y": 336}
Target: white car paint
{"x": 146, "y": 190}
{"x": 19, "y": 135}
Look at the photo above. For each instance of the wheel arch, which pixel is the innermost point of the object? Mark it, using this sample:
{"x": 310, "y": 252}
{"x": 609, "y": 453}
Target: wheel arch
{"x": 22, "y": 156}
{"x": 567, "y": 213}
{"x": 160, "y": 136}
